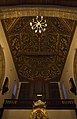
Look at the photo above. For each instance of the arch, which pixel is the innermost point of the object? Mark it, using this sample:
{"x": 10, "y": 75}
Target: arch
{"x": 69, "y": 13}
{"x": 2, "y": 66}
{"x": 75, "y": 67}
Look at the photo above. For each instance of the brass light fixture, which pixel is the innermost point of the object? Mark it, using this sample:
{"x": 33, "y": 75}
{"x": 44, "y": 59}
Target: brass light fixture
{"x": 38, "y": 24}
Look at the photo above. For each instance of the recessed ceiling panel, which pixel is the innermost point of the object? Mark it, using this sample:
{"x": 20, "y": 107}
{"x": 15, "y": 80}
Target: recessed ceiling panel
{"x": 39, "y": 54}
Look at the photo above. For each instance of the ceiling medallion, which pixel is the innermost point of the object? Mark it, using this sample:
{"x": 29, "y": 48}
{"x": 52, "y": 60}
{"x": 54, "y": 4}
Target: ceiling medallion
{"x": 38, "y": 24}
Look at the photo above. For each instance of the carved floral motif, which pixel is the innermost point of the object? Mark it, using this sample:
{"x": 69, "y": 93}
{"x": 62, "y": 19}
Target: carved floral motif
{"x": 37, "y": 54}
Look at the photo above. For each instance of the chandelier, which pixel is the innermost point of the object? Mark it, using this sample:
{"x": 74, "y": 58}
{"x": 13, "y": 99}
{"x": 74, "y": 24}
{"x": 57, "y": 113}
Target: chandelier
{"x": 38, "y": 24}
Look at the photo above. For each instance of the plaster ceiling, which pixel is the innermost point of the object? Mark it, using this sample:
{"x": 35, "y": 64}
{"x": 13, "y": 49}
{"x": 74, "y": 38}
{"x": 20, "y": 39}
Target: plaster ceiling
{"x": 39, "y": 55}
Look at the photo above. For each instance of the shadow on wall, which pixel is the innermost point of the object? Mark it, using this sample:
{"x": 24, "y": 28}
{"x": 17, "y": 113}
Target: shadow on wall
{"x": 5, "y": 86}
{"x": 73, "y": 87}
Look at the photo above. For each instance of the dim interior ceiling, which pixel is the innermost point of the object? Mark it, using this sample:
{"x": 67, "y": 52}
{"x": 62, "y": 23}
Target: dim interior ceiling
{"x": 39, "y": 54}
{"x": 72, "y": 3}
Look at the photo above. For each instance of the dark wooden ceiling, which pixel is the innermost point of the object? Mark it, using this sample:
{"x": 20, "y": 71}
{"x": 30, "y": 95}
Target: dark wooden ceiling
{"x": 39, "y": 55}
{"x": 68, "y": 3}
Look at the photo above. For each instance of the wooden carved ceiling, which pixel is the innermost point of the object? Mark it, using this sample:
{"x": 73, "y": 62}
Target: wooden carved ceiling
{"x": 39, "y": 55}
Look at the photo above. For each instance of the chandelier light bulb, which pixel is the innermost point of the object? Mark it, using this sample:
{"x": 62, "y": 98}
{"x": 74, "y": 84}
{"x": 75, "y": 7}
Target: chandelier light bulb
{"x": 30, "y": 23}
{"x": 39, "y": 31}
{"x": 41, "y": 17}
{"x": 33, "y": 20}
{"x": 38, "y": 24}
{"x": 44, "y": 29}
{"x": 36, "y": 16}
{"x": 32, "y": 27}
{"x": 36, "y": 31}
{"x": 45, "y": 25}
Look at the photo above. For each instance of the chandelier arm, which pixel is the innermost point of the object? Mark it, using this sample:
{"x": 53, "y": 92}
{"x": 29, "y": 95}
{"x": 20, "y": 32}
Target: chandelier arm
{"x": 42, "y": 28}
{"x": 43, "y": 22}
{"x": 41, "y": 19}
{"x": 35, "y": 22}
{"x": 34, "y": 26}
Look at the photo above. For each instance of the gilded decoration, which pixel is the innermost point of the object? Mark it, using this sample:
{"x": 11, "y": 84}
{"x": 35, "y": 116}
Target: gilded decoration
{"x": 37, "y": 54}
{"x": 39, "y": 110}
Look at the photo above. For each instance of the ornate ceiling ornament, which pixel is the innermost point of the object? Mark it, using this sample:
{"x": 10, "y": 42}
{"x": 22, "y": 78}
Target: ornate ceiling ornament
{"x": 38, "y": 24}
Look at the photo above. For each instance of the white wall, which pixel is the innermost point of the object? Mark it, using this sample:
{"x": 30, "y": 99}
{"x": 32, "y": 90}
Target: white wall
{"x": 68, "y": 69}
{"x": 10, "y": 71}
{"x": 52, "y": 114}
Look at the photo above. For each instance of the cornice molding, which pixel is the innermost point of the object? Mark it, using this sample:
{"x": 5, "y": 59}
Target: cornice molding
{"x": 51, "y": 11}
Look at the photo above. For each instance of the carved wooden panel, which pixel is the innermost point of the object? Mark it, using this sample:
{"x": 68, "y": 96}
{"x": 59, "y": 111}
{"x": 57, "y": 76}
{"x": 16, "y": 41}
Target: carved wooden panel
{"x": 37, "y": 54}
